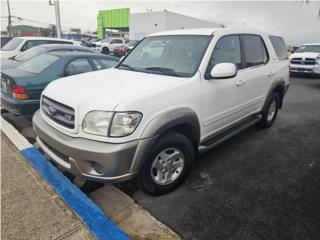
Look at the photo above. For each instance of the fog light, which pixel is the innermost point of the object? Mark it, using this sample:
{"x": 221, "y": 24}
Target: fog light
{"x": 97, "y": 167}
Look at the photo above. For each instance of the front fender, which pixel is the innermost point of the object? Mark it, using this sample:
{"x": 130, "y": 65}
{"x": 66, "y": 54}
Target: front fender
{"x": 169, "y": 119}
{"x": 160, "y": 124}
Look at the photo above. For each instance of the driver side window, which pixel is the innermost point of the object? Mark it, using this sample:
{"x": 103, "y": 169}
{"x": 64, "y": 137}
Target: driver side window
{"x": 227, "y": 50}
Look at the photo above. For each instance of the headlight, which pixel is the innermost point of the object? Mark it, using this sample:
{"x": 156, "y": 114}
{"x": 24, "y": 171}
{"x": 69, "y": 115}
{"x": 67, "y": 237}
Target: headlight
{"x": 97, "y": 122}
{"x": 124, "y": 124}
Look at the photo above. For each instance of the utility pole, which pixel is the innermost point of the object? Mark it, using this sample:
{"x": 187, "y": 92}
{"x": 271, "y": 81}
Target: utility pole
{"x": 58, "y": 22}
{"x": 9, "y": 19}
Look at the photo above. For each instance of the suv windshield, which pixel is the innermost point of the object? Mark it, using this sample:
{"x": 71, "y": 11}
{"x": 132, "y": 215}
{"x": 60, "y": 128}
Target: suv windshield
{"x": 38, "y": 63}
{"x": 12, "y": 44}
{"x": 176, "y": 55}
{"x": 29, "y": 54}
{"x": 309, "y": 48}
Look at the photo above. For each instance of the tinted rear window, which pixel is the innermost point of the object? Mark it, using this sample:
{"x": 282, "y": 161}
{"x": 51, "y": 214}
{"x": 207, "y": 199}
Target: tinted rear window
{"x": 280, "y": 47}
{"x": 38, "y": 63}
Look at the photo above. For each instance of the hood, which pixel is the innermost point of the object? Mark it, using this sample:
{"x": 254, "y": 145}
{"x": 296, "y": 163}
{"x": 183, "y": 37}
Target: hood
{"x": 305, "y": 55}
{"x": 7, "y": 63}
{"x": 7, "y": 54}
{"x": 105, "y": 89}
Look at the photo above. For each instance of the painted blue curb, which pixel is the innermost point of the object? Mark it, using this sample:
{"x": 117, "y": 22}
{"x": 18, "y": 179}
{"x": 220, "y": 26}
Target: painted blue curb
{"x": 98, "y": 223}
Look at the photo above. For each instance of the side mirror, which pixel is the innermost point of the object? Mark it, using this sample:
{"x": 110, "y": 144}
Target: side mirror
{"x": 224, "y": 70}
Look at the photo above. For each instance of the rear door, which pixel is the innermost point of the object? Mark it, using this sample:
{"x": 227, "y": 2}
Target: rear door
{"x": 257, "y": 72}
{"x": 280, "y": 63}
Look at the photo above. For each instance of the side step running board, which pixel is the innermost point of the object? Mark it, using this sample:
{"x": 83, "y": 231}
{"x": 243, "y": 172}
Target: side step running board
{"x": 224, "y": 135}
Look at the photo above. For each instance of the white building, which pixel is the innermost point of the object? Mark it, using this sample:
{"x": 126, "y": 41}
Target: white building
{"x": 143, "y": 24}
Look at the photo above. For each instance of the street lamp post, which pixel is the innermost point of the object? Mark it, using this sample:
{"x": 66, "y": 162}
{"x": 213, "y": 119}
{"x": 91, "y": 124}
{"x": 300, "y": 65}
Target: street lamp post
{"x": 58, "y": 22}
{"x": 9, "y": 19}
{"x": 57, "y": 12}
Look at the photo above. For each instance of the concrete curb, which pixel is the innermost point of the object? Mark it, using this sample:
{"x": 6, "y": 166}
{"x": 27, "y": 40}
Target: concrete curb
{"x": 91, "y": 215}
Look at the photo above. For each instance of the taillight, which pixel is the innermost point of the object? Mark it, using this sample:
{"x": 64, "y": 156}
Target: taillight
{"x": 19, "y": 92}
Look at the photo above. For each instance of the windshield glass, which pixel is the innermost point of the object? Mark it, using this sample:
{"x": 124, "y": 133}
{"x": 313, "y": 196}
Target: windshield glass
{"x": 309, "y": 48}
{"x": 12, "y": 44}
{"x": 29, "y": 54}
{"x": 176, "y": 55}
{"x": 38, "y": 63}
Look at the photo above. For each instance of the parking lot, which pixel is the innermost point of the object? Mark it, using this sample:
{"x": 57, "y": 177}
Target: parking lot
{"x": 261, "y": 184}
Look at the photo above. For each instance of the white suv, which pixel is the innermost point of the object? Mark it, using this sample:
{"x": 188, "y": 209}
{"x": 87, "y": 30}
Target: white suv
{"x": 18, "y": 45}
{"x": 108, "y": 45}
{"x": 306, "y": 59}
{"x": 176, "y": 94}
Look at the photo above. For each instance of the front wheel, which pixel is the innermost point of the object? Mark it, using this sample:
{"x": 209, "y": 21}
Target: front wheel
{"x": 105, "y": 50}
{"x": 270, "y": 113}
{"x": 168, "y": 164}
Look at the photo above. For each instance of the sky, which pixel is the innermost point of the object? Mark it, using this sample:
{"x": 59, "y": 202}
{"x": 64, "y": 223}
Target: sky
{"x": 295, "y": 20}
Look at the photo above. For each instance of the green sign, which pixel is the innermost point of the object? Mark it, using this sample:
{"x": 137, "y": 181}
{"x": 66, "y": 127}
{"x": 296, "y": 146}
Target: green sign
{"x": 113, "y": 19}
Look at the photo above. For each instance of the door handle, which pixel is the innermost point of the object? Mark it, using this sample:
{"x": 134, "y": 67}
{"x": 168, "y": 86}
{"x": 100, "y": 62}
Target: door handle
{"x": 240, "y": 83}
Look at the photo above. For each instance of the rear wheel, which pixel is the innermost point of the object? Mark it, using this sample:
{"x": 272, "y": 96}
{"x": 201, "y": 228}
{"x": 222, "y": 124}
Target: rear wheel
{"x": 167, "y": 164}
{"x": 270, "y": 113}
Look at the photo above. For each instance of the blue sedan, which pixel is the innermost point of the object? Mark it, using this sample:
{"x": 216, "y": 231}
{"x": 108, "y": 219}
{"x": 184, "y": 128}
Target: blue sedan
{"x": 21, "y": 87}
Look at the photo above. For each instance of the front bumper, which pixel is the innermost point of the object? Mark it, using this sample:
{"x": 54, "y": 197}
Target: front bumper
{"x": 88, "y": 159}
{"x": 19, "y": 107}
{"x": 306, "y": 69}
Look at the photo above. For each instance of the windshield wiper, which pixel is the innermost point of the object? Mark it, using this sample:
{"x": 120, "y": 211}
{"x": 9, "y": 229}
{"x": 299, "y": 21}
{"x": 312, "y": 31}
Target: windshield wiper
{"x": 164, "y": 70}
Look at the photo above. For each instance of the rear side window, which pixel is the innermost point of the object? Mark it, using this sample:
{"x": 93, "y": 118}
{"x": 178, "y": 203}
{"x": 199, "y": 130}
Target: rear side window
{"x": 38, "y": 63}
{"x": 254, "y": 50}
{"x": 279, "y": 47}
{"x": 80, "y": 65}
{"x": 32, "y": 43}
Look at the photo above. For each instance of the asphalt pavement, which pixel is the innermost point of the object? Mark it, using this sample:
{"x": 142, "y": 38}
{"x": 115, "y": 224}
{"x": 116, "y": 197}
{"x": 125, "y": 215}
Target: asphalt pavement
{"x": 261, "y": 184}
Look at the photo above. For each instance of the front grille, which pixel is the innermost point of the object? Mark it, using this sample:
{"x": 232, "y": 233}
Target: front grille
{"x": 301, "y": 61}
{"x": 58, "y": 112}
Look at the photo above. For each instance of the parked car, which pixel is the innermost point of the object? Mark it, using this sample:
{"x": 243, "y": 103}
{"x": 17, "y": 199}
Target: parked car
{"x": 46, "y": 48}
{"x": 153, "y": 113}
{"x": 21, "y": 44}
{"x": 306, "y": 60}
{"x": 4, "y": 40}
{"x": 124, "y": 49}
{"x": 108, "y": 45}
{"x": 88, "y": 41}
{"x": 21, "y": 86}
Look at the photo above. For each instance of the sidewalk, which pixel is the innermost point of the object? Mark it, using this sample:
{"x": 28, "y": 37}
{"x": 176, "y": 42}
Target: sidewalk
{"x": 30, "y": 209}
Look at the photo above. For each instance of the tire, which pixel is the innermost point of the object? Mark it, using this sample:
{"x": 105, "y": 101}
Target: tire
{"x": 269, "y": 114}
{"x": 105, "y": 50}
{"x": 156, "y": 182}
